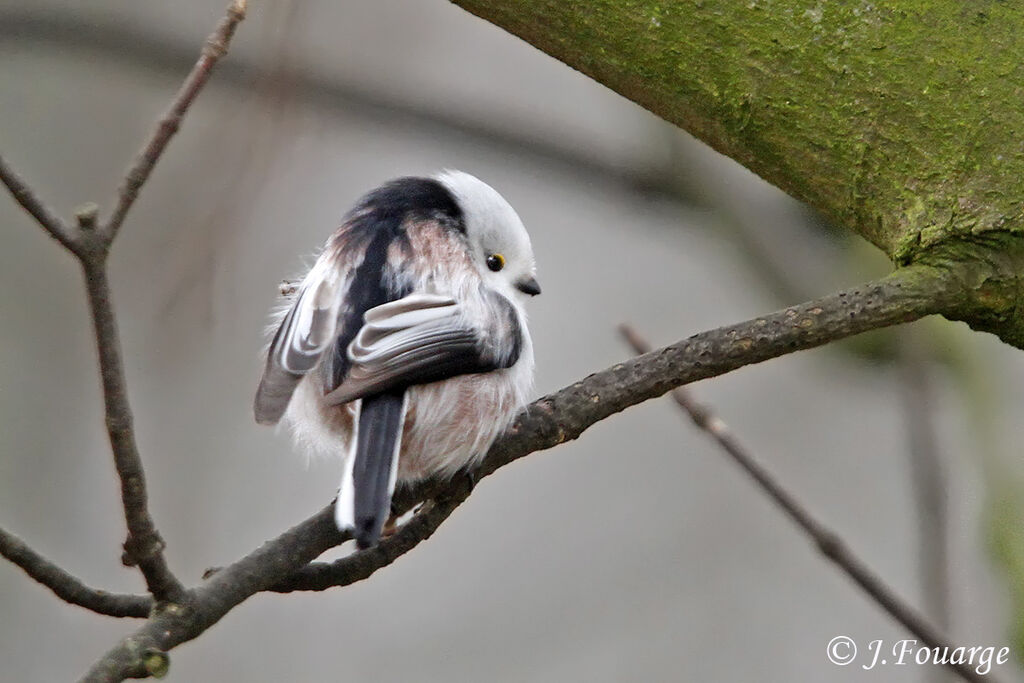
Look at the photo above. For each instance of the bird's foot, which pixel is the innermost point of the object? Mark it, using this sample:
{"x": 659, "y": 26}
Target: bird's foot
{"x": 390, "y": 527}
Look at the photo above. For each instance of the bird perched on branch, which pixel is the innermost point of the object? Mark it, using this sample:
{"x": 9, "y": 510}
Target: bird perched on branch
{"x": 405, "y": 347}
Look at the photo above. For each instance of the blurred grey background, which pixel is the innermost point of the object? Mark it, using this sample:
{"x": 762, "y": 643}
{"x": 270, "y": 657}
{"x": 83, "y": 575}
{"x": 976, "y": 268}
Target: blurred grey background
{"x": 637, "y": 553}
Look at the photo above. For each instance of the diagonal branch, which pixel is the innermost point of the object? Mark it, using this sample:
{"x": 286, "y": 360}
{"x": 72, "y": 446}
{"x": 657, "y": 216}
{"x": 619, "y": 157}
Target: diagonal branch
{"x": 67, "y": 587}
{"x": 907, "y": 294}
{"x": 26, "y": 197}
{"x": 827, "y": 541}
{"x": 318, "y": 576}
{"x": 216, "y": 47}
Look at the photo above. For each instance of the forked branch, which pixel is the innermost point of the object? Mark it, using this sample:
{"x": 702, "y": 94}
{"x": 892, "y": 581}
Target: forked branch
{"x": 91, "y": 244}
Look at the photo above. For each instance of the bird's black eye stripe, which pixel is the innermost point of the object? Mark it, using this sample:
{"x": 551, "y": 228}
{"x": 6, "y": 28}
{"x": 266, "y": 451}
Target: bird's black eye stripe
{"x": 495, "y": 262}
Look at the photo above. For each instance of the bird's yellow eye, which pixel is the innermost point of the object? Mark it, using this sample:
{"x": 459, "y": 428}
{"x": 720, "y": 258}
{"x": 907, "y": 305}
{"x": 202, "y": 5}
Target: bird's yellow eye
{"x": 495, "y": 262}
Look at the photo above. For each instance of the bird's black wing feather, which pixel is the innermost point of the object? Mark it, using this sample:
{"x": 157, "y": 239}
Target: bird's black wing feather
{"x": 424, "y": 338}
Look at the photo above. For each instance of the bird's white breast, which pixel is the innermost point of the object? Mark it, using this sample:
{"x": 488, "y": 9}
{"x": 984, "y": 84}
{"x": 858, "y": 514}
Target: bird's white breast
{"x": 451, "y": 424}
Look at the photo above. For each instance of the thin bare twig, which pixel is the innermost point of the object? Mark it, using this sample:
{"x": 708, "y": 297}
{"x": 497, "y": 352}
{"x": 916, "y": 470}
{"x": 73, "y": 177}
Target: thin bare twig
{"x": 215, "y": 48}
{"x": 927, "y": 474}
{"x": 67, "y": 587}
{"x": 140, "y": 45}
{"x": 827, "y": 541}
{"x": 143, "y": 547}
{"x": 26, "y": 197}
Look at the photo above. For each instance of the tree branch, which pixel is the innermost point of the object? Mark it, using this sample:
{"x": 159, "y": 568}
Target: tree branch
{"x": 206, "y": 605}
{"x": 805, "y": 99}
{"x": 216, "y": 47}
{"x": 144, "y": 47}
{"x": 905, "y": 295}
{"x": 143, "y": 547}
{"x": 318, "y": 576}
{"x": 28, "y": 200}
{"x": 830, "y": 544}
{"x": 67, "y": 587}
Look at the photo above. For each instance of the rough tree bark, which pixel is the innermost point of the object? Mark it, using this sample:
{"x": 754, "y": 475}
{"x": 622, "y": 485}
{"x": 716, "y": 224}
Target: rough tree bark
{"x": 900, "y": 121}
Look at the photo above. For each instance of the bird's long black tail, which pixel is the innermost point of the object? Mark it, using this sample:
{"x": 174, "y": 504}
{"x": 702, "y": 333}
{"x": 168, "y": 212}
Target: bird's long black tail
{"x": 375, "y": 458}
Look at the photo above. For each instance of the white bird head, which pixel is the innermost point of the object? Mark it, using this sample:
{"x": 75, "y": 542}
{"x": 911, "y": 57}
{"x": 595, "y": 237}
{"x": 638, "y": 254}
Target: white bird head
{"x": 497, "y": 238}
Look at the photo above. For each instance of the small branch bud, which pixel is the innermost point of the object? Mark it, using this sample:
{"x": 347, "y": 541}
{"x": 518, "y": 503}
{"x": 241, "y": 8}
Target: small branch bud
{"x": 86, "y": 215}
{"x": 157, "y": 663}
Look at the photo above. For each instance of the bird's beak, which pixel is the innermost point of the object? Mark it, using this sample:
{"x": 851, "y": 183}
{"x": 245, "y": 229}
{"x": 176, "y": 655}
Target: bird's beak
{"x": 528, "y": 286}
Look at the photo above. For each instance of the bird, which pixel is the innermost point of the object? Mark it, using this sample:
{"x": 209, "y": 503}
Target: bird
{"x": 405, "y": 348}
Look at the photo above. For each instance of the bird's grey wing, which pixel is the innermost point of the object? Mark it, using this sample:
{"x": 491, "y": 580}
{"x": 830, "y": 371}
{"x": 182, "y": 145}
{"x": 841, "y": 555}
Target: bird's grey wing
{"x": 306, "y": 331}
{"x": 425, "y": 338}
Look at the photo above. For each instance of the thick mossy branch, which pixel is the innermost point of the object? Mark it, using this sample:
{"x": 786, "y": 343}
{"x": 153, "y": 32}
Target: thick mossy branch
{"x": 900, "y": 121}
{"x": 986, "y": 280}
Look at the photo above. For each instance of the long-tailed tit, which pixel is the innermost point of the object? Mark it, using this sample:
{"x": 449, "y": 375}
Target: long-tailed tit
{"x": 405, "y": 349}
